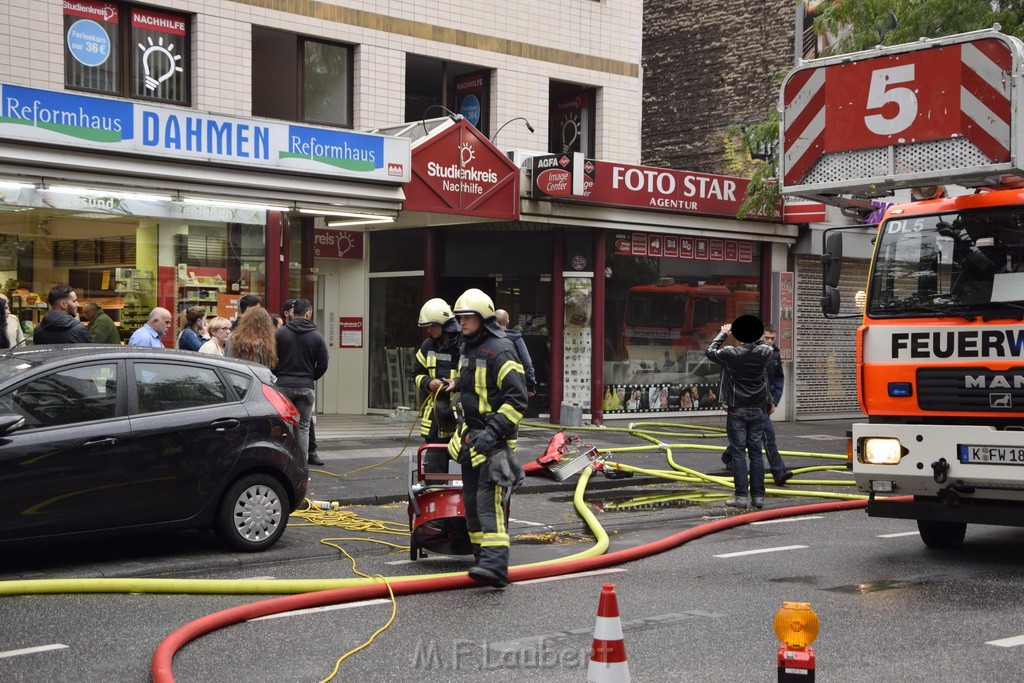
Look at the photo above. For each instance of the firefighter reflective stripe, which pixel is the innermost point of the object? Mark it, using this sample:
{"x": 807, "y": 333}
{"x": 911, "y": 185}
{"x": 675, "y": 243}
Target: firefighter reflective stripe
{"x": 509, "y": 366}
{"x": 455, "y": 444}
{"x": 476, "y": 537}
{"x": 480, "y": 387}
{"x": 510, "y": 413}
{"x": 427, "y": 416}
{"x": 476, "y": 458}
{"x": 499, "y": 537}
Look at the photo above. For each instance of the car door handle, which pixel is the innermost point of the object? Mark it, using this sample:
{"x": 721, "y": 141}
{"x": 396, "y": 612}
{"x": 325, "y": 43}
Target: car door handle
{"x": 109, "y": 441}
{"x": 225, "y": 425}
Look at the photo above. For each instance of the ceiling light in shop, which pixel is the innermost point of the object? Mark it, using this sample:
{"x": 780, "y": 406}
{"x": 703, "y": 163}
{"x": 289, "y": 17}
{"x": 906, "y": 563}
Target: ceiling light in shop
{"x": 228, "y": 204}
{"x": 100, "y": 192}
{"x": 365, "y": 220}
{"x": 15, "y": 185}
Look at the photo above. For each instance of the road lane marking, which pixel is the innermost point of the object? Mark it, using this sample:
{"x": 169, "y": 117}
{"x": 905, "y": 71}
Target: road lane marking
{"x": 762, "y": 550}
{"x": 1007, "y": 642}
{"x": 428, "y": 558}
{"x": 326, "y": 608}
{"x": 899, "y": 534}
{"x": 32, "y": 650}
{"x": 577, "y": 575}
{"x": 523, "y": 521}
{"x": 787, "y": 519}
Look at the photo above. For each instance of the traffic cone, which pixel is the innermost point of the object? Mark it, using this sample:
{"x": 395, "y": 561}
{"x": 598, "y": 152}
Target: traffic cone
{"x": 608, "y": 652}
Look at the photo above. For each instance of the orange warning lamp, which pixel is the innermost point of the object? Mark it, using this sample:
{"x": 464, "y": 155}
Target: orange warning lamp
{"x": 796, "y": 625}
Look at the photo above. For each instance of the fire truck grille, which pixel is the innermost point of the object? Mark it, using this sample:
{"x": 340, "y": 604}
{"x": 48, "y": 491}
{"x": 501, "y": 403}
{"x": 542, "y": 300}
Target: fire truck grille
{"x": 971, "y": 390}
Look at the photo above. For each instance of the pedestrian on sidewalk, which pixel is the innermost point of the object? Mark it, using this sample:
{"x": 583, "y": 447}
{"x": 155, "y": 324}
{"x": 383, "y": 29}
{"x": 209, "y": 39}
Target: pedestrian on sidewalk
{"x": 288, "y": 313}
{"x": 516, "y": 337}
{"x": 746, "y": 397}
{"x": 301, "y": 361}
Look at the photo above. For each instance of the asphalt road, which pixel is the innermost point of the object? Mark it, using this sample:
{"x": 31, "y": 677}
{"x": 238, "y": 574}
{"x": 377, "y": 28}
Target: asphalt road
{"x": 889, "y": 607}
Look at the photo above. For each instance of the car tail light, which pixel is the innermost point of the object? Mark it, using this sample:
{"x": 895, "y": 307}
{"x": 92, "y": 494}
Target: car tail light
{"x": 285, "y": 408}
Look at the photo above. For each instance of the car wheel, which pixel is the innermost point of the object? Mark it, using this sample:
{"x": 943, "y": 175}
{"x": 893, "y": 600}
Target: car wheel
{"x": 252, "y": 515}
{"x": 941, "y": 534}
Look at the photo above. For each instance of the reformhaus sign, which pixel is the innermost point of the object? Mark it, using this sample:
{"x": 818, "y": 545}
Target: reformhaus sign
{"x": 103, "y": 124}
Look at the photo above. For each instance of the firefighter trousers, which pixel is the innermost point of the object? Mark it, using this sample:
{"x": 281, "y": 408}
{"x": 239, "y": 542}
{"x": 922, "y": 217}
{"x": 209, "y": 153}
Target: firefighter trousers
{"x": 485, "y": 519}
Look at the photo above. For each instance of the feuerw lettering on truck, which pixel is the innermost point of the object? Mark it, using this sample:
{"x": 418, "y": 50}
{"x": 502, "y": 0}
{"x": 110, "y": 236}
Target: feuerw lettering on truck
{"x": 933, "y": 344}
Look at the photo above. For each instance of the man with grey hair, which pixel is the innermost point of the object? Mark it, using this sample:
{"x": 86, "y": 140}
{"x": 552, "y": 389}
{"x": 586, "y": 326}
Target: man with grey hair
{"x": 516, "y": 337}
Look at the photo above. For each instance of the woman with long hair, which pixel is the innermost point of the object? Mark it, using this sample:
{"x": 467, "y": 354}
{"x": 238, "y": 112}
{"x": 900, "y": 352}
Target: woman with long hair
{"x": 253, "y": 338}
{"x": 220, "y": 330}
{"x": 193, "y": 332}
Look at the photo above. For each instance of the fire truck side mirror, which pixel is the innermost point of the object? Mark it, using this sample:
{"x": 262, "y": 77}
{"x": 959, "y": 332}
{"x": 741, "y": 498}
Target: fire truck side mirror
{"x": 832, "y": 259}
{"x": 830, "y": 302}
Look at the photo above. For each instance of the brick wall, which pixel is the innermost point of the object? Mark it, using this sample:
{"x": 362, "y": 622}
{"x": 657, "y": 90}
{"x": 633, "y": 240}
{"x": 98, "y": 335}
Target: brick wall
{"x": 709, "y": 64}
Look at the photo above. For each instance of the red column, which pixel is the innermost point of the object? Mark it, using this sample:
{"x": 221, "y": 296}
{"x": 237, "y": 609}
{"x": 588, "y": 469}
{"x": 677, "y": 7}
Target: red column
{"x": 276, "y": 265}
{"x": 557, "y": 320}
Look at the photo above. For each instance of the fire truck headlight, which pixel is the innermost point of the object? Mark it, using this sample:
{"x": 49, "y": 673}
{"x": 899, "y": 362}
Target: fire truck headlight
{"x": 879, "y": 451}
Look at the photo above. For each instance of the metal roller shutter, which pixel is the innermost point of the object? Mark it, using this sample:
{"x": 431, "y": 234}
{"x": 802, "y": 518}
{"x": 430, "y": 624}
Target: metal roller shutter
{"x": 825, "y": 355}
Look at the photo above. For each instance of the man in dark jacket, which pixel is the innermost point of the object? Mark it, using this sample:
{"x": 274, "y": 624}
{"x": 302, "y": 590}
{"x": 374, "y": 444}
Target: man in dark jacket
{"x": 60, "y": 325}
{"x": 301, "y": 361}
{"x": 516, "y": 337}
{"x": 745, "y": 393}
{"x": 776, "y": 383}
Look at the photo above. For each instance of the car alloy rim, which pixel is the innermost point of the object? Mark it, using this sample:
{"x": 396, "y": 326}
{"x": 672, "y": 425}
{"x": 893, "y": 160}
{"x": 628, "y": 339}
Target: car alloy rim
{"x": 258, "y": 513}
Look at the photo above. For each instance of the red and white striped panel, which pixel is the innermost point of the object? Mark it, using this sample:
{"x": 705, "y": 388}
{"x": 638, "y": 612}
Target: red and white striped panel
{"x": 985, "y": 97}
{"x": 804, "y": 118}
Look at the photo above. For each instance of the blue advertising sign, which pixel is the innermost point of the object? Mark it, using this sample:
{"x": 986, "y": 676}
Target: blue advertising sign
{"x": 88, "y": 42}
{"x": 59, "y": 118}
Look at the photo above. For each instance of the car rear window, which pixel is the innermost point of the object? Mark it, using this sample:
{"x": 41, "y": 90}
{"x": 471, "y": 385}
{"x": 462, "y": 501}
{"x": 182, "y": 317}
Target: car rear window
{"x": 240, "y": 383}
{"x": 169, "y": 386}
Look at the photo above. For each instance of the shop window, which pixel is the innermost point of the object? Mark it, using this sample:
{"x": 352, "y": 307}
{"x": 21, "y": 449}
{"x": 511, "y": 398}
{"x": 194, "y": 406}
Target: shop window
{"x": 661, "y": 312}
{"x": 301, "y": 79}
{"x": 127, "y": 50}
{"x": 462, "y": 88}
{"x": 572, "y": 118}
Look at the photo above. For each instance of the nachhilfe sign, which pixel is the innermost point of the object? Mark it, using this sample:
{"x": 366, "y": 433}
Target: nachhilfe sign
{"x": 660, "y": 189}
{"x": 109, "y": 125}
{"x": 457, "y": 170}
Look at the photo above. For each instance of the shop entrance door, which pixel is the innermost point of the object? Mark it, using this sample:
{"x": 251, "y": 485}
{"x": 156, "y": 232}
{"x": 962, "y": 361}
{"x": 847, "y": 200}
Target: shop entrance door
{"x": 393, "y": 338}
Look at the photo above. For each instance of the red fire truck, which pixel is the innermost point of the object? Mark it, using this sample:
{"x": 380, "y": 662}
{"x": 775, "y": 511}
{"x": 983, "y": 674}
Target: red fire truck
{"x": 940, "y": 353}
{"x": 670, "y": 319}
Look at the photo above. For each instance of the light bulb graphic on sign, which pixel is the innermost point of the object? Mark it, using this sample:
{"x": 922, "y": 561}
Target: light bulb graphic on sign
{"x": 158, "y": 62}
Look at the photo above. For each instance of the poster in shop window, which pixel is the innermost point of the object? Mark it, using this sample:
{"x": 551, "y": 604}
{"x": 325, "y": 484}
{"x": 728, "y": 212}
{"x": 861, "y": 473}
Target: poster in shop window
{"x": 577, "y": 341}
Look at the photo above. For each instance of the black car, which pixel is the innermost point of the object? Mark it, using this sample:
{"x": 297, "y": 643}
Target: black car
{"x": 97, "y": 439}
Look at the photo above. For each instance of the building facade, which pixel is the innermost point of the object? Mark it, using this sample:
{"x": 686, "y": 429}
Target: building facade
{"x": 186, "y": 153}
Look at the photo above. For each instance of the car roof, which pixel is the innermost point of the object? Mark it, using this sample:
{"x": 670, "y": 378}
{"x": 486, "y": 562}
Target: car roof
{"x": 49, "y": 353}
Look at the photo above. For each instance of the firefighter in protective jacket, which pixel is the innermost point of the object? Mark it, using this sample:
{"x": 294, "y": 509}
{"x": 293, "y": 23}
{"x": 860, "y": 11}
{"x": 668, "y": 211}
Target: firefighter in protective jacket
{"x": 492, "y": 392}
{"x": 437, "y": 362}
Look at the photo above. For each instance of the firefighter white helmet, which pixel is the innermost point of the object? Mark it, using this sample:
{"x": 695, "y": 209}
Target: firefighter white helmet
{"x": 435, "y": 311}
{"x": 475, "y": 301}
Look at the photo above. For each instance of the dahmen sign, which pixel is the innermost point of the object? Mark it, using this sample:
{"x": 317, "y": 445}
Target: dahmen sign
{"x": 657, "y": 188}
{"x": 457, "y": 170}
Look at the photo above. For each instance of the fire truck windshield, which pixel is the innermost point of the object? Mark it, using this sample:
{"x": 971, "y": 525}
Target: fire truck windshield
{"x": 949, "y": 264}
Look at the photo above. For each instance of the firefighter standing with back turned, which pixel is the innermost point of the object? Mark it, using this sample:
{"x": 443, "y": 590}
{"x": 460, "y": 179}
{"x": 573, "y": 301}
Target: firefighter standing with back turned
{"x": 492, "y": 391}
{"x": 436, "y": 362}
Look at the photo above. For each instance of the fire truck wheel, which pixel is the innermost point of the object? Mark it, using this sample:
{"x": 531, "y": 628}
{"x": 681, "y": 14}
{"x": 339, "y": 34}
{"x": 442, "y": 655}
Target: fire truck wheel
{"x": 941, "y": 534}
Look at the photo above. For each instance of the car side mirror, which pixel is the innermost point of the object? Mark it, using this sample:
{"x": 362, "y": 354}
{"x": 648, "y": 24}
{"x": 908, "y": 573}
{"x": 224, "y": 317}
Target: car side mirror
{"x": 10, "y": 421}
